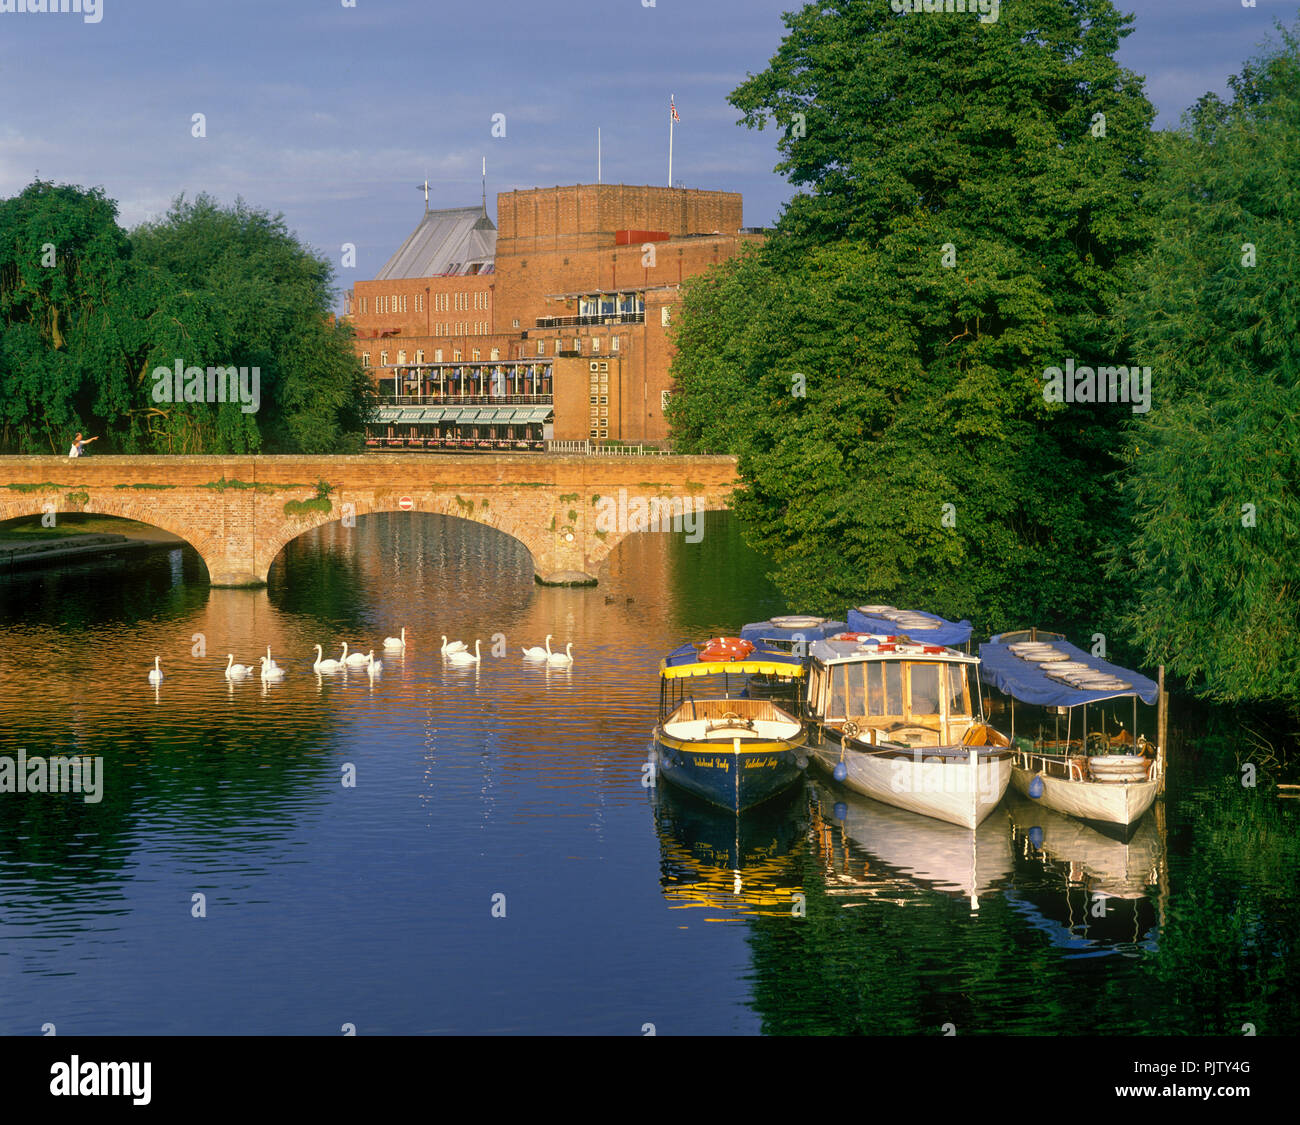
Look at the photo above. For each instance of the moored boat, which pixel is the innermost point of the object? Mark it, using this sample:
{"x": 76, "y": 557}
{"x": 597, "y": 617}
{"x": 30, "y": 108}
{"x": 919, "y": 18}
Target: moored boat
{"x": 904, "y": 723}
{"x": 713, "y": 739}
{"x": 1105, "y": 779}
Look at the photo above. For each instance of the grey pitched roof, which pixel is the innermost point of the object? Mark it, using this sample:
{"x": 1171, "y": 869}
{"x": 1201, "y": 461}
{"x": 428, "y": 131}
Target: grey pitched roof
{"x": 451, "y": 241}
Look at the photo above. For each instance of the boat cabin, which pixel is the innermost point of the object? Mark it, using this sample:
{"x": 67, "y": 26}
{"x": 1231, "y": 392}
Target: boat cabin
{"x": 885, "y": 692}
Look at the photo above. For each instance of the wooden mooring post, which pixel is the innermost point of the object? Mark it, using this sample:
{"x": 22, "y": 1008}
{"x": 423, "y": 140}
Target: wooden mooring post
{"x": 1162, "y": 725}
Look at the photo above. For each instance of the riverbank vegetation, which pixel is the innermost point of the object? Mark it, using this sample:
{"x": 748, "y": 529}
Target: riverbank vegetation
{"x": 89, "y": 314}
{"x": 977, "y": 205}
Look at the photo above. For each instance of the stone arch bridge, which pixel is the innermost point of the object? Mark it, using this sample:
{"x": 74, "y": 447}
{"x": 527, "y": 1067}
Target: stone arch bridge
{"x": 238, "y": 512}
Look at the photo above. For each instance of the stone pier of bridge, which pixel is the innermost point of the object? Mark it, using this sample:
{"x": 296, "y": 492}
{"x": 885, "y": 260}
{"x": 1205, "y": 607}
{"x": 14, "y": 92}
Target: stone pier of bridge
{"x": 238, "y": 512}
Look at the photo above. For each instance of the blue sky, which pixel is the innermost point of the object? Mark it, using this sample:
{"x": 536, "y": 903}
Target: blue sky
{"x": 333, "y": 115}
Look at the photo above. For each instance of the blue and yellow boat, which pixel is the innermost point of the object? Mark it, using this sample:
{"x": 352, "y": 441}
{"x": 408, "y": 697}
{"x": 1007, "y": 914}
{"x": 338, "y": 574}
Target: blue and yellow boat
{"x": 713, "y": 739}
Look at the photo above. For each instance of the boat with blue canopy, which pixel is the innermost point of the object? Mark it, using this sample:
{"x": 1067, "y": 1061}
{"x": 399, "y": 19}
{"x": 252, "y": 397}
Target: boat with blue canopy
{"x": 714, "y": 738}
{"x": 1107, "y": 776}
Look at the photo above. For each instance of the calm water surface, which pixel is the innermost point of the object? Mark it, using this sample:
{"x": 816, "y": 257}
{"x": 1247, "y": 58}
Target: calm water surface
{"x": 378, "y": 904}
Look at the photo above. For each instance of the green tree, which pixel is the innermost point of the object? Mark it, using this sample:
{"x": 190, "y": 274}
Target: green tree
{"x": 239, "y": 289}
{"x": 1213, "y": 485}
{"x": 967, "y": 193}
{"x": 68, "y": 337}
{"x": 88, "y": 313}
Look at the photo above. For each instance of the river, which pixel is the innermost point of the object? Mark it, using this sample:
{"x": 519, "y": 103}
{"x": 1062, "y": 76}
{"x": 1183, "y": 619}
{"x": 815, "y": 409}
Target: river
{"x": 441, "y": 849}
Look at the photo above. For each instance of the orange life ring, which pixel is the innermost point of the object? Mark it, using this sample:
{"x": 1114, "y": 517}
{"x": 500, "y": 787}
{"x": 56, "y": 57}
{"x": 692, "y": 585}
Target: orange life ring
{"x": 726, "y": 649}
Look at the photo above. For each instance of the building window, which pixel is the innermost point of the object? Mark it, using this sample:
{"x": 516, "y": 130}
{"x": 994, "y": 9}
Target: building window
{"x": 577, "y": 345}
{"x": 419, "y": 356}
{"x": 595, "y": 344}
{"x": 614, "y": 344}
{"x": 496, "y": 353}
{"x": 403, "y": 303}
{"x": 383, "y": 359}
{"x": 665, "y": 316}
{"x": 401, "y": 357}
{"x": 474, "y": 355}
{"x": 541, "y": 347}
{"x": 663, "y": 400}
{"x": 516, "y": 322}
{"x": 365, "y": 359}
{"x": 455, "y": 356}
{"x": 437, "y": 355}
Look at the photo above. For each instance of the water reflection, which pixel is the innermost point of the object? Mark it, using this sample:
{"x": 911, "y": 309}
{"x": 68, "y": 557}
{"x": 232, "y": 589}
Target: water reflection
{"x": 730, "y": 864}
{"x": 874, "y": 851}
{"x": 1090, "y": 894}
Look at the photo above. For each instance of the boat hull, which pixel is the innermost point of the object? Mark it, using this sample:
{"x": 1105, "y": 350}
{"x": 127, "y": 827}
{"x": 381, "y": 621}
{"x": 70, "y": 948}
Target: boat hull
{"x": 1104, "y": 802}
{"x": 735, "y": 775}
{"x": 949, "y": 789}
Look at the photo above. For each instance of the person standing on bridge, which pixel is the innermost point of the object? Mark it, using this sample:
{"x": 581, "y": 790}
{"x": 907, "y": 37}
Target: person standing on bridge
{"x": 78, "y": 442}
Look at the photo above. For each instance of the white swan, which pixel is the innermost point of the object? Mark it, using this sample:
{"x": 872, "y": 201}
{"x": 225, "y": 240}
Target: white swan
{"x": 562, "y": 658}
{"x": 536, "y": 653}
{"x": 455, "y": 646}
{"x": 271, "y": 670}
{"x": 398, "y": 642}
{"x": 270, "y": 662}
{"x": 372, "y": 665}
{"x": 155, "y": 677}
{"x": 236, "y": 671}
{"x": 325, "y": 665}
{"x": 356, "y": 659}
{"x": 464, "y": 657}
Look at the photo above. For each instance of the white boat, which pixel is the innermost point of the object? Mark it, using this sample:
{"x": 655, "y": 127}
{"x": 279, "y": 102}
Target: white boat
{"x": 1090, "y": 775}
{"x": 1113, "y": 789}
{"x": 904, "y": 724}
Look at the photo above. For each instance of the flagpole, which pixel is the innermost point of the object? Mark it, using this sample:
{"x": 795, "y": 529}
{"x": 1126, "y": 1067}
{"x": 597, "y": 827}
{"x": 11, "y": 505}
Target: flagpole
{"x": 598, "y": 180}
{"x": 670, "y": 142}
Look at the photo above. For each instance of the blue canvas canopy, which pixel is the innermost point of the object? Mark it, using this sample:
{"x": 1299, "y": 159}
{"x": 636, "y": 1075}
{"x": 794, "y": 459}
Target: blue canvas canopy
{"x": 1029, "y": 682}
{"x": 789, "y": 630}
{"x": 885, "y": 621}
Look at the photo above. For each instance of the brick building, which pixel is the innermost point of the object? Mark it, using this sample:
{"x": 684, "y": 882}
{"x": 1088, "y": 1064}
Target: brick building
{"x": 569, "y": 296}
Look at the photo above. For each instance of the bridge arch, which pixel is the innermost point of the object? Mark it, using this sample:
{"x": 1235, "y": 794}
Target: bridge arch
{"x": 275, "y": 546}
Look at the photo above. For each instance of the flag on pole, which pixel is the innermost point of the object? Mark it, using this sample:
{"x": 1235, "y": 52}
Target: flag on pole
{"x": 672, "y": 108}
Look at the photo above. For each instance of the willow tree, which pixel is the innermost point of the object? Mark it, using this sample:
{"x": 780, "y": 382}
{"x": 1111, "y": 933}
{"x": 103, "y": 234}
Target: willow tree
{"x": 966, "y": 191}
{"x": 89, "y": 314}
{"x": 69, "y": 338}
{"x": 1213, "y": 486}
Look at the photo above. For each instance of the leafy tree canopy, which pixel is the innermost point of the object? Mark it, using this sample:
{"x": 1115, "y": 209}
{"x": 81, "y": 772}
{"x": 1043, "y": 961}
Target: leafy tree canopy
{"x": 1213, "y": 485}
{"x": 89, "y": 314}
{"x": 969, "y": 191}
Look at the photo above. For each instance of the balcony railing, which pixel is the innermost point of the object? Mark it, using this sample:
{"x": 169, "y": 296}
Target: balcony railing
{"x": 590, "y": 321}
{"x": 466, "y": 400}
{"x": 597, "y": 449}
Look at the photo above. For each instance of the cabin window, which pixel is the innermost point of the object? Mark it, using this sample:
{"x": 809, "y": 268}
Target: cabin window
{"x": 924, "y": 689}
{"x": 838, "y": 695}
{"x": 815, "y": 684}
{"x": 857, "y": 689}
{"x": 958, "y": 699}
